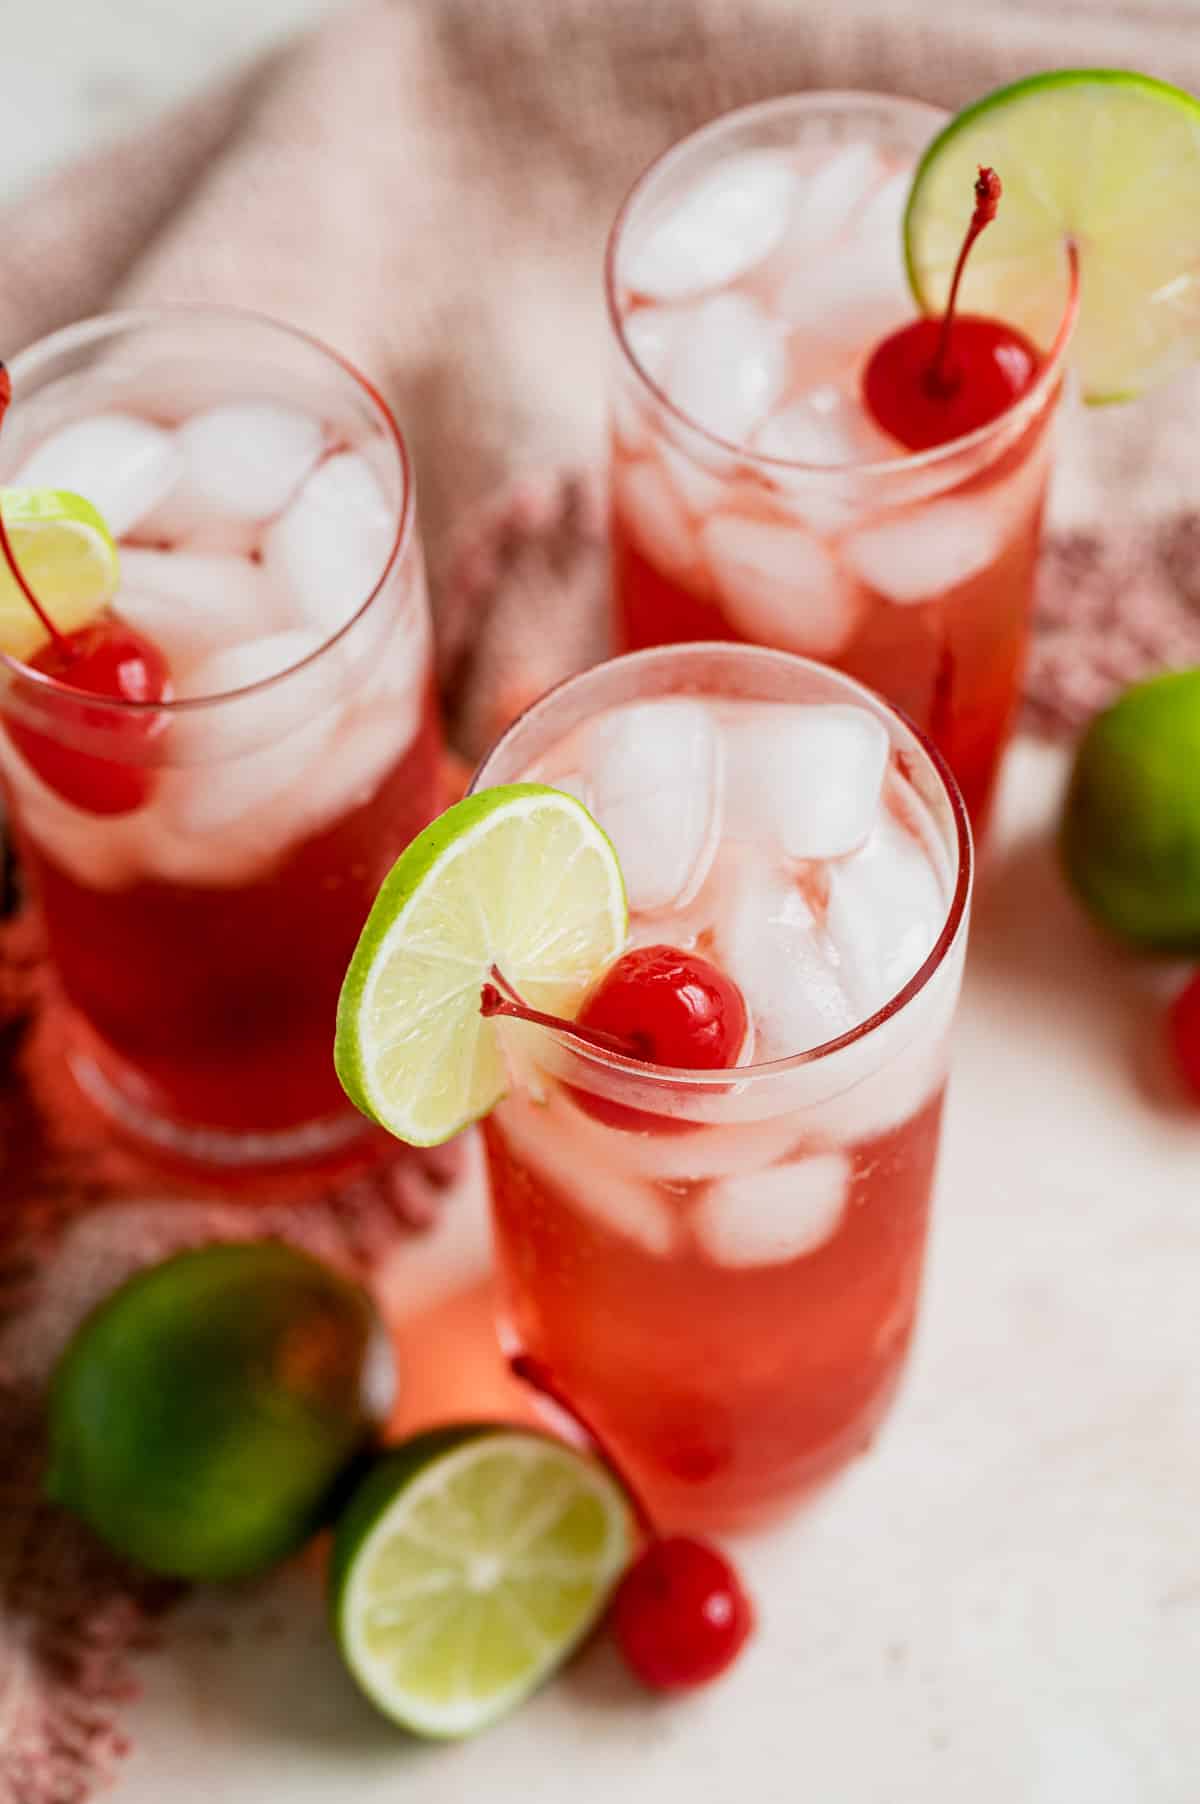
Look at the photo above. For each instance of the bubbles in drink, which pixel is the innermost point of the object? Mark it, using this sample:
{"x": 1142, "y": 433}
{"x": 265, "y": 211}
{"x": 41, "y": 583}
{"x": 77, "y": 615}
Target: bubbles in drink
{"x": 123, "y": 465}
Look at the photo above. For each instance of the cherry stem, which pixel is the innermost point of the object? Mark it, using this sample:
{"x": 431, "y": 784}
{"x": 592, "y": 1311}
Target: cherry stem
{"x": 10, "y": 556}
{"x": 532, "y": 1372}
{"x": 499, "y": 998}
{"x": 987, "y": 198}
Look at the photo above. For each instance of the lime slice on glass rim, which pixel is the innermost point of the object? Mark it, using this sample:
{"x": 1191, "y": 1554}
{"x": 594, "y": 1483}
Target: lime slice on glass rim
{"x": 1103, "y": 161}
{"x": 467, "y": 1566}
{"x": 520, "y": 877}
{"x": 67, "y": 556}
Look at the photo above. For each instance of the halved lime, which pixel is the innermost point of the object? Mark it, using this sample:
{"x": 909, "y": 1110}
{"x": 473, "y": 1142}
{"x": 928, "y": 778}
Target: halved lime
{"x": 204, "y": 1414}
{"x": 467, "y": 1566}
{"x": 1102, "y": 159}
{"x": 520, "y": 877}
{"x": 67, "y": 557}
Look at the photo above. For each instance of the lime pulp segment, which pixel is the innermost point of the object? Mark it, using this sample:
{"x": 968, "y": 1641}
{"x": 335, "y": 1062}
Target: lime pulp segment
{"x": 467, "y": 1567}
{"x": 518, "y": 876}
{"x": 67, "y": 556}
{"x": 1102, "y": 159}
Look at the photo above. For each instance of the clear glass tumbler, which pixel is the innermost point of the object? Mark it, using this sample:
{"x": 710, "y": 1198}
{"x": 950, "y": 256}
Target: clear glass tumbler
{"x": 203, "y": 889}
{"x": 722, "y": 1267}
{"x": 751, "y": 273}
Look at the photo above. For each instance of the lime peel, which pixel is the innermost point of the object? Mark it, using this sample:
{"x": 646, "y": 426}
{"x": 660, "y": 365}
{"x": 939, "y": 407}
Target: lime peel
{"x": 1104, "y": 161}
{"x": 519, "y": 877}
{"x": 467, "y": 1567}
{"x": 67, "y": 556}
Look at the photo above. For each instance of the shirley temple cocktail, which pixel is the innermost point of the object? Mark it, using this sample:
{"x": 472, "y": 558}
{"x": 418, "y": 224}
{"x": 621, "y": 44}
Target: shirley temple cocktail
{"x": 204, "y": 836}
{"x": 714, "y": 1121}
{"x": 757, "y": 491}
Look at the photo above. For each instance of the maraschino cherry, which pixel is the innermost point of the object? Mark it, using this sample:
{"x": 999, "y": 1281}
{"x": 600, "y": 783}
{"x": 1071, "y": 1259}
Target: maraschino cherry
{"x": 105, "y": 659}
{"x": 935, "y": 380}
{"x": 654, "y": 1003}
{"x": 680, "y": 1615}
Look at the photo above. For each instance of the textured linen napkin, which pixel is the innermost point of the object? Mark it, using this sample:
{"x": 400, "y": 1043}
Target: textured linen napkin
{"x": 428, "y": 185}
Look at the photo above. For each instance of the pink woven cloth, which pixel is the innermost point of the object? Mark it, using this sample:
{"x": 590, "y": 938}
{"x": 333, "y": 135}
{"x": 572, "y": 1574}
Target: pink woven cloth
{"x": 428, "y": 184}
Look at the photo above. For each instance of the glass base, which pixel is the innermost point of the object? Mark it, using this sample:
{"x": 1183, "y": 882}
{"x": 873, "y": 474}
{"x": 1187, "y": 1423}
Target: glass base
{"x": 207, "y": 1148}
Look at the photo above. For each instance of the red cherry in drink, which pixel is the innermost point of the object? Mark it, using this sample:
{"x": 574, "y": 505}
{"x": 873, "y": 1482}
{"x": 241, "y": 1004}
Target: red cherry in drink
{"x": 671, "y": 1007}
{"x": 680, "y": 1616}
{"x": 934, "y": 380}
{"x": 116, "y": 664}
{"x": 674, "y": 1007}
{"x": 106, "y": 659}
{"x": 654, "y": 1003}
{"x": 1183, "y": 1034}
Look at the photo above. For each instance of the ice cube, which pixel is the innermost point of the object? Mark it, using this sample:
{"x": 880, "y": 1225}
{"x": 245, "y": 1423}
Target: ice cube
{"x": 327, "y": 552}
{"x": 653, "y": 516}
{"x": 239, "y": 756}
{"x": 920, "y": 555}
{"x": 654, "y": 777}
{"x": 231, "y": 853}
{"x": 728, "y": 367}
{"x": 99, "y": 853}
{"x": 807, "y": 779}
{"x": 359, "y": 757}
{"x": 847, "y": 296}
{"x": 205, "y": 798}
{"x": 771, "y": 943}
{"x": 779, "y": 586}
{"x": 699, "y": 488}
{"x": 650, "y": 333}
{"x": 542, "y": 1137}
{"x": 193, "y": 603}
{"x": 886, "y": 908}
{"x": 829, "y": 196}
{"x": 729, "y": 220}
{"x": 122, "y": 465}
{"x": 248, "y": 458}
{"x": 828, "y": 429}
{"x": 769, "y": 1217}
{"x": 825, "y": 427}
{"x": 255, "y": 660}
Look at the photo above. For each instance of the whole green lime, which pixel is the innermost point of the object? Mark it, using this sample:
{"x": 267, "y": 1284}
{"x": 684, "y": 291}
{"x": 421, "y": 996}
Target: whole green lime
{"x": 202, "y": 1416}
{"x": 1131, "y": 830}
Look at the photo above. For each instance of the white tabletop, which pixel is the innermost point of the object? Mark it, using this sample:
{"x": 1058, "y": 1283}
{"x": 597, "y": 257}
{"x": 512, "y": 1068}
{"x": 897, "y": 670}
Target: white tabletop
{"x": 1000, "y": 1604}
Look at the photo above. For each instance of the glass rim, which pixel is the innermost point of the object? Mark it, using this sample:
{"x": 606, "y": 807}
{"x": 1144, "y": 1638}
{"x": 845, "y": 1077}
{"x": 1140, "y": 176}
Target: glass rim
{"x": 829, "y": 100}
{"x": 99, "y": 326}
{"x": 737, "y": 1078}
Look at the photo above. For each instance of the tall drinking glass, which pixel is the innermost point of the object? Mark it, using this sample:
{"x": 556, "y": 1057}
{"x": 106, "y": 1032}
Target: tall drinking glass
{"x": 722, "y": 1267}
{"x": 202, "y": 891}
{"x": 751, "y": 273}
